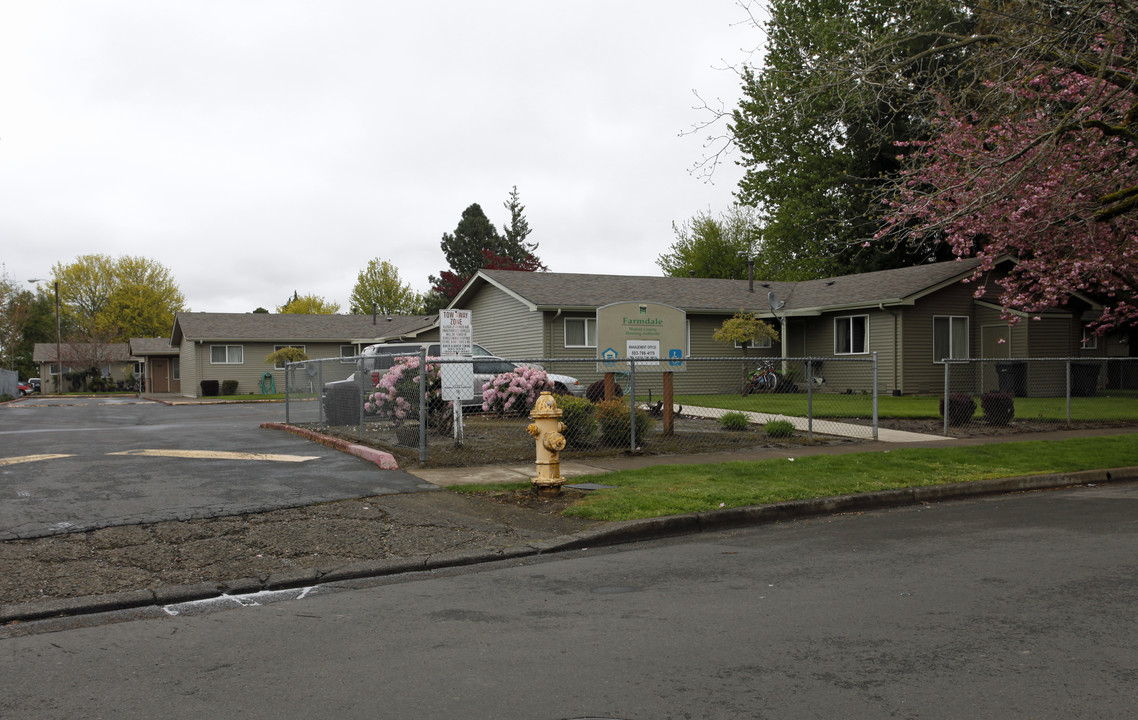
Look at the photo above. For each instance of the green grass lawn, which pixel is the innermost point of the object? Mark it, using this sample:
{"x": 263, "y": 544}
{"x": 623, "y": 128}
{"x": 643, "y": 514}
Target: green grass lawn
{"x": 678, "y": 489}
{"x": 832, "y": 405}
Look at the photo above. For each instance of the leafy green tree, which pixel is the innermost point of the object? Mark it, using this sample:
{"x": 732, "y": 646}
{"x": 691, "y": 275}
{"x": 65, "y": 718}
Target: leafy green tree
{"x": 308, "y": 305}
{"x": 105, "y": 299}
{"x": 14, "y": 311}
{"x": 378, "y": 286}
{"x": 286, "y": 355}
{"x": 713, "y": 247}
{"x": 819, "y": 144}
{"x": 38, "y": 327}
{"x": 744, "y": 328}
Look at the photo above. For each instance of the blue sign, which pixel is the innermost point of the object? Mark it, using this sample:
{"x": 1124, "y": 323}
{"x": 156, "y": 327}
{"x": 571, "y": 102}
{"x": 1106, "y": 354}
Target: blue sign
{"x": 675, "y": 357}
{"x": 610, "y": 356}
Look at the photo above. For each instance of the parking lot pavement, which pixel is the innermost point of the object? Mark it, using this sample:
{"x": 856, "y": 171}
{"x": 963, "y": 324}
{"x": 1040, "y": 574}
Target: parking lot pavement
{"x": 73, "y": 464}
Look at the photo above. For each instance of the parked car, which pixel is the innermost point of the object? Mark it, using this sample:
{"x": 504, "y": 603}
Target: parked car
{"x": 25, "y": 388}
{"x": 341, "y": 399}
{"x": 486, "y": 368}
{"x": 35, "y": 383}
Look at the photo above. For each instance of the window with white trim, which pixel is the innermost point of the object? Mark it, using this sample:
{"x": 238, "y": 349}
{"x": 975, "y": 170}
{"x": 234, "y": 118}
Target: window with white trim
{"x": 1090, "y": 340}
{"x": 851, "y": 335}
{"x": 580, "y": 332}
{"x": 950, "y": 337}
{"x": 177, "y": 368}
{"x": 763, "y": 342}
{"x": 226, "y": 354}
{"x": 281, "y": 365}
{"x": 348, "y": 354}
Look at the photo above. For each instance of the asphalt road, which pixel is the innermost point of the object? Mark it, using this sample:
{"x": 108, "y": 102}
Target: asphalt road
{"x": 1011, "y": 607}
{"x": 82, "y": 463}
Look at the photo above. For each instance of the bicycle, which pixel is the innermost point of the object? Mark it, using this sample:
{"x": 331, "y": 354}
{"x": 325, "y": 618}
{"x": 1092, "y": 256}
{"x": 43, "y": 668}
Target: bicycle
{"x": 763, "y": 379}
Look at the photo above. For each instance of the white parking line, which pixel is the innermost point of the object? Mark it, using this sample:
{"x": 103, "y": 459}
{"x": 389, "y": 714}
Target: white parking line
{"x": 30, "y": 458}
{"x": 217, "y": 455}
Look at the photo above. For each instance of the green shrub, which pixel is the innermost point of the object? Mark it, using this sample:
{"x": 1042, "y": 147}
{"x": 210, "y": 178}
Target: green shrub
{"x": 960, "y": 408}
{"x": 210, "y": 388}
{"x": 615, "y": 421}
{"x": 228, "y": 387}
{"x": 734, "y": 421}
{"x": 779, "y": 428}
{"x": 580, "y": 420}
{"x": 999, "y": 407}
{"x": 5, "y": 397}
{"x": 596, "y": 392}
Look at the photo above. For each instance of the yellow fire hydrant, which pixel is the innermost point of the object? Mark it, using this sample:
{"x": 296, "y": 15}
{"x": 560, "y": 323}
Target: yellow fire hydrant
{"x": 547, "y": 428}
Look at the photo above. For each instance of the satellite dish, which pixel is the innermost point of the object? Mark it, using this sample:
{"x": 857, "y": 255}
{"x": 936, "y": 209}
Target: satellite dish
{"x": 774, "y": 302}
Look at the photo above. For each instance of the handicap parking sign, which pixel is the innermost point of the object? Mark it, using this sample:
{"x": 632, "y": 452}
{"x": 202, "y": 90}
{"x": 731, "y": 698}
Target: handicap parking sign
{"x": 675, "y": 357}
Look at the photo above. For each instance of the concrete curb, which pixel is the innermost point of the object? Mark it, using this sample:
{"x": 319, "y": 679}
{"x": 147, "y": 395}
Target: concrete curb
{"x": 384, "y": 460}
{"x": 616, "y": 533}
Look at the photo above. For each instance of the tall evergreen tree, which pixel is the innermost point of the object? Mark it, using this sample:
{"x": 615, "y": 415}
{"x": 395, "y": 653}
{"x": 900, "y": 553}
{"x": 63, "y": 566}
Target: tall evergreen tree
{"x": 476, "y": 244}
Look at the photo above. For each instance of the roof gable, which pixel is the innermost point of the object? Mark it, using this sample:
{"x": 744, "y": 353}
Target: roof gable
{"x": 576, "y": 291}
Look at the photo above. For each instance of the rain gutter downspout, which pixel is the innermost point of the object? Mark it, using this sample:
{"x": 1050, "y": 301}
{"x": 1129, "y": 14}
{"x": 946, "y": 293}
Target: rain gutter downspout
{"x": 896, "y": 348}
{"x": 549, "y": 335}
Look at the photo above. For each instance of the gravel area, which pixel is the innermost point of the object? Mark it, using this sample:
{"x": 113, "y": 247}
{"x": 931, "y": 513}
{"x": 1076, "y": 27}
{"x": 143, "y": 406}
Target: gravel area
{"x": 323, "y": 537}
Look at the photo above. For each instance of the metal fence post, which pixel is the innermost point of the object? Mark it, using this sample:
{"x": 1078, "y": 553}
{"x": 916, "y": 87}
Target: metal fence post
{"x": 875, "y": 395}
{"x": 320, "y": 393}
{"x": 632, "y": 406}
{"x": 422, "y": 404}
{"x": 809, "y": 400}
{"x": 944, "y": 401}
{"x": 1068, "y": 391}
{"x": 360, "y": 396}
{"x": 288, "y": 395}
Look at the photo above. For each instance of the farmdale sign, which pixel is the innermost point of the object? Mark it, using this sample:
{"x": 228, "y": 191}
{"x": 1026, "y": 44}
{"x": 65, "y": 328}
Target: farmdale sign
{"x": 651, "y": 337}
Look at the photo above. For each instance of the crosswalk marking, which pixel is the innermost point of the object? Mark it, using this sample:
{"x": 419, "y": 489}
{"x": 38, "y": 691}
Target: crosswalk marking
{"x": 217, "y": 455}
{"x": 29, "y": 458}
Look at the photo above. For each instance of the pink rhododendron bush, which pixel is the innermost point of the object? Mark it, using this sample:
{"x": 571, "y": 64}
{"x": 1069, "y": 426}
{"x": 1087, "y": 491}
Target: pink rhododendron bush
{"x": 514, "y": 392}
{"x": 397, "y": 394}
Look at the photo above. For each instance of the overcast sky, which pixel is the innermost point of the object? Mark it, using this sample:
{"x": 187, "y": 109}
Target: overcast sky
{"x": 257, "y": 148}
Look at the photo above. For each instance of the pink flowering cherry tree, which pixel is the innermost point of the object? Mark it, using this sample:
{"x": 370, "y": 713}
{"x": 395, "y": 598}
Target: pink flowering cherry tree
{"x": 1040, "y": 192}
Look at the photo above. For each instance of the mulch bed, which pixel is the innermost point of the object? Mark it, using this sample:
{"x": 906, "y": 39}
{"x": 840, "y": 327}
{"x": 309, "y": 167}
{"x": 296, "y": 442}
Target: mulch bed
{"x": 493, "y": 440}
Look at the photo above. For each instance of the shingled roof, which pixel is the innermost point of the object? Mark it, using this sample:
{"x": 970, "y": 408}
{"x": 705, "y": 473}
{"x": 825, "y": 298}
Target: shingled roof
{"x": 151, "y": 346}
{"x": 287, "y": 327}
{"x": 82, "y": 352}
{"x": 573, "y": 291}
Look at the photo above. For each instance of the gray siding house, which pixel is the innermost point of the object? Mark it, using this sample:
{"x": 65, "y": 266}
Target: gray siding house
{"x": 233, "y": 346}
{"x": 912, "y": 318}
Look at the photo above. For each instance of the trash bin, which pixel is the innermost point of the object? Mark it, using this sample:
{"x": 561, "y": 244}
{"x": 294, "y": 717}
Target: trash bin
{"x": 1013, "y": 377}
{"x": 341, "y": 403}
{"x": 1084, "y": 379}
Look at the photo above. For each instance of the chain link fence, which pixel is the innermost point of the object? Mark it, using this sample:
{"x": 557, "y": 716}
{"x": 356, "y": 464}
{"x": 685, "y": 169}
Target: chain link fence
{"x": 1037, "y": 393}
{"x": 454, "y": 412}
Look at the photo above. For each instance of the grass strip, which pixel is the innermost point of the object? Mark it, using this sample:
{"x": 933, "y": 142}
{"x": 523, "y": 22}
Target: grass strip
{"x": 678, "y": 489}
{"x": 1122, "y": 406}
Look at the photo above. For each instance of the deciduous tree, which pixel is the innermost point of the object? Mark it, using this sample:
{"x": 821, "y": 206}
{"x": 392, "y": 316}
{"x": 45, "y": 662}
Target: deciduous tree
{"x": 1039, "y": 160}
{"x": 378, "y": 286}
{"x": 308, "y": 305}
{"x": 711, "y": 247}
{"x": 107, "y": 299}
